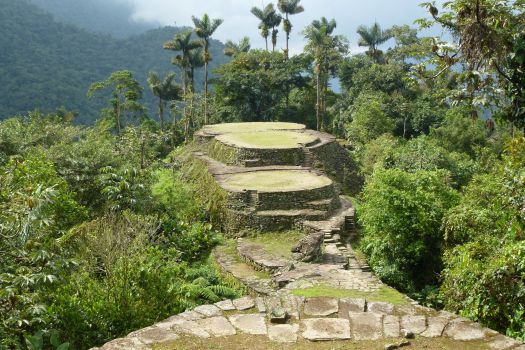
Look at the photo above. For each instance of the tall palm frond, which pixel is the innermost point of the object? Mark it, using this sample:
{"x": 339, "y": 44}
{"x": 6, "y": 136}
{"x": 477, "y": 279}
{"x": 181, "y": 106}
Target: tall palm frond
{"x": 232, "y": 49}
{"x": 372, "y": 37}
{"x": 289, "y": 7}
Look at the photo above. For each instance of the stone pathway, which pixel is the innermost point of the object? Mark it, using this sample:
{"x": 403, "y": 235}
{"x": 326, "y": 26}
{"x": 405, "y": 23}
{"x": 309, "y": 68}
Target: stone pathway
{"x": 312, "y": 319}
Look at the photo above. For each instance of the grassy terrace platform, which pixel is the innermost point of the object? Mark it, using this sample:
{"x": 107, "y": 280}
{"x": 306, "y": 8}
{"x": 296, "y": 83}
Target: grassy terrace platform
{"x": 275, "y": 181}
{"x": 219, "y": 129}
{"x": 278, "y": 139}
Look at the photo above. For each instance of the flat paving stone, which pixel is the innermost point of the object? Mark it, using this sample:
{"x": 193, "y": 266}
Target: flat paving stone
{"x": 391, "y": 326}
{"x": 169, "y": 322}
{"x": 320, "y": 307}
{"x": 435, "y": 328}
{"x": 318, "y": 329}
{"x": 154, "y": 335}
{"x": 405, "y": 309}
{"x": 208, "y": 310}
{"x": 291, "y": 305}
{"x": 283, "y": 333}
{"x": 191, "y": 328}
{"x": 259, "y": 303}
{"x": 366, "y": 325}
{"x": 414, "y": 324}
{"x": 464, "y": 330}
{"x": 501, "y": 342}
{"x": 191, "y": 315}
{"x": 250, "y": 324}
{"x": 245, "y": 303}
{"x": 379, "y": 307}
{"x": 124, "y": 344}
{"x": 347, "y": 305}
{"x": 225, "y": 305}
{"x": 217, "y": 326}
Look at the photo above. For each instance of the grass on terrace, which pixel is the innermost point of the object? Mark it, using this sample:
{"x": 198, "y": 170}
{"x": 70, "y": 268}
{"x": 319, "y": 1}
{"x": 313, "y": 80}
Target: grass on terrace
{"x": 247, "y": 127}
{"x": 275, "y": 181}
{"x": 267, "y": 139}
{"x": 385, "y": 294}
{"x": 278, "y": 243}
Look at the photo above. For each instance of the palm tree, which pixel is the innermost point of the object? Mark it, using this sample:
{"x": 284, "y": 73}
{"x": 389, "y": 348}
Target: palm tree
{"x": 232, "y": 49}
{"x": 264, "y": 15}
{"x": 318, "y": 36}
{"x": 372, "y": 37}
{"x": 274, "y": 20}
{"x": 289, "y": 7}
{"x": 165, "y": 89}
{"x": 183, "y": 43}
{"x": 204, "y": 28}
{"x": 195, "y": 60}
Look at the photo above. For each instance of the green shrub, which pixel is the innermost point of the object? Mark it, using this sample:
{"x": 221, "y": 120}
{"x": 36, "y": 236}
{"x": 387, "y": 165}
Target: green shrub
{"x": 401, "y": 216}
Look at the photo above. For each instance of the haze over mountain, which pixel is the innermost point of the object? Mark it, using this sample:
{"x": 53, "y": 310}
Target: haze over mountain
{"x": 113, "y": 17}
{"x": 46, "y": 64}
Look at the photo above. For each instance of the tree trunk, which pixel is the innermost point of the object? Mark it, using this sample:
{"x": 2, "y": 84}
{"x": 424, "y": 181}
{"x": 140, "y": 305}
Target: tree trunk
{"x": 266, "y": 39}
{"x": 161, "y": 113}
{"x": 117, "y": 116}
{"x": 287, "y": 37}
{"x": 318, "y": 102}
{"x": 206, "y": 92}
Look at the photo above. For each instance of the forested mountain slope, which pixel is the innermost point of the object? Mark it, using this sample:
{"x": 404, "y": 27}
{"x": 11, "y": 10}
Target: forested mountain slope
{"x": 45, "y": 64}
{"x": 101, "y": 16}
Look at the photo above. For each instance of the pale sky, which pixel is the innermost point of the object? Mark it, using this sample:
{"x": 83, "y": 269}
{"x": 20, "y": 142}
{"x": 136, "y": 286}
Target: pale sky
{"x": 238, "y": 21}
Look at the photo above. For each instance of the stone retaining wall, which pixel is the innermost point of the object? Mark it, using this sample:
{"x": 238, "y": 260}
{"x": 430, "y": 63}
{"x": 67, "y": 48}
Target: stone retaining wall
{"x": 292, "y": 319}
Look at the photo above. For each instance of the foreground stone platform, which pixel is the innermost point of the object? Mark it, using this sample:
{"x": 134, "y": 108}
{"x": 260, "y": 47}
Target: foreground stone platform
{"x": 313, "y": 320}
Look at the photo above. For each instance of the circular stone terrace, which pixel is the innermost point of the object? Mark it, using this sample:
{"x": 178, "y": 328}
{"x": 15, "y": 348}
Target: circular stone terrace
{"x": 274, "y": 181}
{"x": 219, "y": 129}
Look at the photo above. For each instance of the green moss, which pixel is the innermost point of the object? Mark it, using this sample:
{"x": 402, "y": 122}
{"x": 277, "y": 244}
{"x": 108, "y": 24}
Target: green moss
{"x": 385, "y": 294}
{"x": 278, "y": 243}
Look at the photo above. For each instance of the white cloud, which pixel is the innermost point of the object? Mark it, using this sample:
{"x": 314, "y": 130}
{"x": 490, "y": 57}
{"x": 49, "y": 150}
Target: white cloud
{"x": 238, "y": 21}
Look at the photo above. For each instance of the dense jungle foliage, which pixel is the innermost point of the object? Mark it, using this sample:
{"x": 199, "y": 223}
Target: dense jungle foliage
{"x": 101, "y": 236}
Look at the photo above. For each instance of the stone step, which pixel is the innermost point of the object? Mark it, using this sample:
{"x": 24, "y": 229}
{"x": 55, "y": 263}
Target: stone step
{"x": 304, "y": 214}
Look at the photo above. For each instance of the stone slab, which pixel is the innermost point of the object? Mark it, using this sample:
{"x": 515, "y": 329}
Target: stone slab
{"x": 366, "y": 325}
{"x": 414, "y": 324}
{"x": 319, "y": 329}
{"x": 244, "y": 303}
{"x": 154, "y": 335}
{"x": 320, "y": 307}
{"x": 250, "y": 324}
{"x": 391, "y": 326}
{"x": 347, "y": 305}
{"x": 291, "y": 305}
{"x": 191, "y": 315}
{"x": 259, "y": 303}
{"x": 217, "y": 326}
{"x": 283, "y": 333}
{"x": 435, "y": 328}
{"x": 464, "y": 330}
{"x": 501, "y": 342}
{"x": 124, "y": 344}
{"x": 208, "y": 310}
{"x": 225, "y": 305}
{"x": 191, "y": 328}
{"x": 379, "y": 307}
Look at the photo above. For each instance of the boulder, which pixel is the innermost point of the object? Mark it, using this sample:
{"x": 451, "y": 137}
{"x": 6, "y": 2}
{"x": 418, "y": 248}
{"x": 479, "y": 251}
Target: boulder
{"x": 309, "y": 248}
